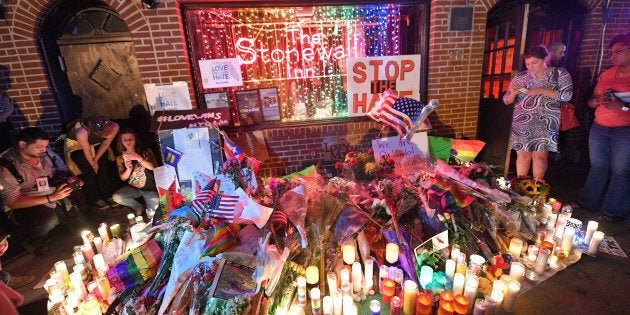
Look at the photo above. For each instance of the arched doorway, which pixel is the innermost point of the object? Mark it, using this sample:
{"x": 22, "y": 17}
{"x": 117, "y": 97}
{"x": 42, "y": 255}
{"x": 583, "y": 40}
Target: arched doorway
{"x": 90, "y": 59}
{"x": 513, "y": 26}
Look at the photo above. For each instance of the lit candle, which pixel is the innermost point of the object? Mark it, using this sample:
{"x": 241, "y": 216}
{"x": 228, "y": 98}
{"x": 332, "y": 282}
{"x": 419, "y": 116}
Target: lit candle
{"x": 458, "y": 283}
{"x": 455, "y": 252}
{"x": 446, "y": 308}
{"x": 357, "y": 277}
{"x": 348, "y": 303}
{"x": 481, "y": 306}
{"x": 391, "y": 252}
{"x": 331, "y": 278}
{"x": 316, "y": 303}
{"x": 495, "y": 299}
{"x": 87, "y": 251}
{"x": 498, "y": 286}
{"x": 348, "y": 252}
{"x": 98, "y": 243}
{"x": 337, "y": 299}
{"x": 593, "y": 246}
{"x": 424, "y": 303}
{"x": 567, "y": 240}
{"x": 506, "y": 281}
{"x": 327, "y": 305}
{"x": 551, "y": 232}
{"x": 346, "y": 288}
{"x": 410, "y": 290}
{"x": 591, "y": 227}
{"x": 312, "y": 276}
{"x": 91, "y": 305}
{"x": 104, "y": 233}
{"x": 461, "y": 267}
{"x": 115, "y": 229}
{"x": 475, "y": 264}
{"x": 131, "y": 218}
{"x": 344, "y": 274}
{"x": 369, "y": 272}
{"x": 517, "y": 271}
{"x": 61, "y": 268}
{"x": 103, "y": 286}
{"x": 389, "y": 288}
{"x": 76, "y": 280}
{"x": 301, "y": 290}
{"x": 470, "y": 289}
{"x": 383, "y": 273}
{"x": 375, "y": 307}
{"x": 426, "y": 276}
{"x": 516, "y": 245}
{"x": 99, "y": 261}
{"x": 395, "y": 306}
{"x": 541, "y": 261}
{"x": 449, "y": 268}
{"x": 513, "y": 288}
{"x": 87, "y": 236}
{"x": 532, "y": 252}
{"x": 461, "y": 303}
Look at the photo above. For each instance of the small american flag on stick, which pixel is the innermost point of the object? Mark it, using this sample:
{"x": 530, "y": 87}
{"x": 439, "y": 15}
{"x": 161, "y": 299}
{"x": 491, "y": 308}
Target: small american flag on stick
{"x": 217, "y": 205}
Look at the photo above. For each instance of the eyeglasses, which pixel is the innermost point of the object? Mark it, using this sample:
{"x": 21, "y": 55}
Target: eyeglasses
{"x": 100, "y": 123}
{"x": 617, "y": 52}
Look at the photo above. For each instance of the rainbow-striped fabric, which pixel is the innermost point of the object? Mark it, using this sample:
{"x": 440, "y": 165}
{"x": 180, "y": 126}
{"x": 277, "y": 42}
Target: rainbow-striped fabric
{"x": 136, "y": 267}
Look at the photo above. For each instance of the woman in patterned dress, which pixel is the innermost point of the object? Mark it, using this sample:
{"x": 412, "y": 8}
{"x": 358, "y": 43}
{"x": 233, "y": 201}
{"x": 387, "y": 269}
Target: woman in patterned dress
{"x": 536, "y": 94}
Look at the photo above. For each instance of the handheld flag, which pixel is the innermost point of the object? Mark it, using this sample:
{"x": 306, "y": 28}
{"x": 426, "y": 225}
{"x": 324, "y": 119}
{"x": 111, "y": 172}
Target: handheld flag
{"x": 231, "y": 150}
{"x": 172, "y": 156}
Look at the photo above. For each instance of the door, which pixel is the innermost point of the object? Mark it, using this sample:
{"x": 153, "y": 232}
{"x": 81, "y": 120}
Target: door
{"x": 502, "y": 56}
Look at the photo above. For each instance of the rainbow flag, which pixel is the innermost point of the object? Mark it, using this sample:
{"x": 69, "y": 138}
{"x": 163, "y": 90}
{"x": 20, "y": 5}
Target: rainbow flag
{"x": 467, "y": 150}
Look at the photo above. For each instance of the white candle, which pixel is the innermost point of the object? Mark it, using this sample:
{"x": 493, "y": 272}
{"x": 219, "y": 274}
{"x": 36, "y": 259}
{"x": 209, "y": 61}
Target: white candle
{"x": 301, "y": 290}
{"x": 495, "y": 299}
{"x": 337, "y": 299}
{"x": 513, "y": 288}
{"x": 348, "y": 303}
{"x": 369, "y": 272}
{"x": 516, "y": 245}
{"x": 103, "y": 233}
{"x": 391, "y": 252}
{"x": 344, "y": 275}
{"x": 327, "y": 306}
{"x": 426, "y": 276}
{"x": 449, "y": 268}
{"x": 517, "y": 270}
{"x": 541, "y": 261}
{"x": 348, "y": 252}
{"x": 99, "y": 261}
{"x": 77, "y": 284}
{"x": 593, "y": 246}
{"x": 312, "y": 275}
{"x": 470, "y": 290}
{"x": 567, "y": 240}
{"x": 331, "y": 278}
{"x": 549, "y": 235}
{"x": 61, "y": 267}
{"x": 98, "y": 243}
{"x": 506, "y": 281}
{"x": 591, "y": 227}
{"x": 316, "y": 302}
{"x": 357, "y": 277}
{"x": 498, "y": 286}
{"x": 455, "y": 252}
{"x": 458, "y": 283}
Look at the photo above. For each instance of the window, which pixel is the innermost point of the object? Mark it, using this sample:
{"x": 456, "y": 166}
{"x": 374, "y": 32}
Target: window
{"x": 300, "y": 51}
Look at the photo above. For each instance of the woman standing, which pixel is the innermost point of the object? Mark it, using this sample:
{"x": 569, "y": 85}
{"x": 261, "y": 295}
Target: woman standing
{"x": 608, "y": 181}
{"x": 135, "y": 166}
{"x": 537, "y": 93}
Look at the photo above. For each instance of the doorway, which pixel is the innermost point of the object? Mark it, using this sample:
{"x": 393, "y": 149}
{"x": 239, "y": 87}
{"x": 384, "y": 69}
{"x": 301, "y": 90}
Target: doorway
{"x": 89, "y": 56}
{"x": 513, "y": 26}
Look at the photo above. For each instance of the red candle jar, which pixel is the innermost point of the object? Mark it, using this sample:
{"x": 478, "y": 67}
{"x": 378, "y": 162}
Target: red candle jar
{"x": 389, "y": 288}
{"x": 424, "y": 303}
{"x": 461, "y": 303}
{"x": 447, "y": 296}
{"x": 446, "y": 308}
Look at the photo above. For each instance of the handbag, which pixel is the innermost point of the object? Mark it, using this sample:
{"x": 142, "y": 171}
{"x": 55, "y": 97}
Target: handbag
{"x": 568, "y": 120}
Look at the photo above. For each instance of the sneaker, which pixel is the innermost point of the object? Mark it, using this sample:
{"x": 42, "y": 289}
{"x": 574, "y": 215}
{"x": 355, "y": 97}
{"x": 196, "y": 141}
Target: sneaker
{"x": 102, "y": 204}
{"x": 17, "y": 282}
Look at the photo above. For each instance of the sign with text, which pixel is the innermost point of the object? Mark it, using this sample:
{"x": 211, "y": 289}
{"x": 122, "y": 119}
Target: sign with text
{"x": 369, "y": 76}
{"x": 406, "y": 153}
{"x": 218, "y": 73}
{"x": 176, "y": 119}
{"x": 168, "y": 96}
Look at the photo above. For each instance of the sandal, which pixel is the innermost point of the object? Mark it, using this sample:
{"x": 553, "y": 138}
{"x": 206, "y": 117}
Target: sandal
{"x": 607, "y": 218}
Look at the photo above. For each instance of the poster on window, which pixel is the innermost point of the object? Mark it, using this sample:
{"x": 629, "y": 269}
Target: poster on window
{"x": 369, "y": 76}
{"x": 168, "y": 96}
{"x": 217, "y": 73}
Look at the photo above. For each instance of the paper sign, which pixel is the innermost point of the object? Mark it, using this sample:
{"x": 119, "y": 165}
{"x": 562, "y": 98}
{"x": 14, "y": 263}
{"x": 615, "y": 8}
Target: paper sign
{"x": 167, "y": 97}
{"x": 369, "y": 76}
{"x": 217, "y": 73}
{"x": 407, "y": 154}
{"x": 441, "y": 147}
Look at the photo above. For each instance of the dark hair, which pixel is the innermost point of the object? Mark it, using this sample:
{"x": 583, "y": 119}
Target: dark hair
{"x": 139, "y": 147}
{"x": 539, "y": 52}
{"x": 623, "y": 39}
{"x": 32, "y": 134}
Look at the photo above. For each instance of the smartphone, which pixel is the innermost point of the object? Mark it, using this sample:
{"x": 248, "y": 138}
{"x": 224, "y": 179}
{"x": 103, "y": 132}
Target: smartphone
{"x": 75, "y": 185}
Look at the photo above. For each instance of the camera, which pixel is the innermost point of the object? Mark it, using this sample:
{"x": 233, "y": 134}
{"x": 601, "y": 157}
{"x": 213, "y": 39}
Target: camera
{"x": 75, "y": 185}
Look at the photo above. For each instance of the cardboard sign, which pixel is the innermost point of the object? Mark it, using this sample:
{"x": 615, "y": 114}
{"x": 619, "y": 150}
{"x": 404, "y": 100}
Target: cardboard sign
{"x": 407, "y": 154}
{"x": 177, "y": 119}
{"x": 167, "y": 97}
{"x": 369, "y": 76}
{"x": 218, "y": 73}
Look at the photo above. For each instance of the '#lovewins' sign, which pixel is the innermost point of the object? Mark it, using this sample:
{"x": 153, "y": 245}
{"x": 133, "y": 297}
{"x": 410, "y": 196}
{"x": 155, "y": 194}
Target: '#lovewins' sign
{"x": 193, "y": 118}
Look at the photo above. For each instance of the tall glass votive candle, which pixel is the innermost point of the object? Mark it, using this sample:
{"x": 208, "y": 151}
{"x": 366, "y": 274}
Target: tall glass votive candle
{"x": 476, "y": 263}
{"x": 357, "y": 277}
{"x": 369, "y": 272}
{"x": 541, "y": 261}
{"x": 115, "y": 229}
{"x": 301, "y": 290}
{"x": 449, "y": 268}
{"x": 345, "y": 273}
{"x": 104, "y": 233}
{"x": 327, "y": 305}
{"x": 426, "y": 276}
{"x": 316, "y": 302}
{"x": 460, "y": 304}
{"x": 87, "y": 236}
{"x": 517, "y": 271}
{"x": 516, "y": 246}
{"x": 424, "y": 303}
{"x": 591, "y": 227}
{"x": 98, "y": 244}
{"x": 87, "y": 251}
{"x": 458, "y": 283}
{"x": 513, "y": 288}
{"x": 348, "y": 252}
{"x": 395, "y": 306}
{"x": 389, "y": 289}
{"x": 391, "y": 252}
{"x": 383, "y": 273}
{"x": 375, "y": 307}
{"x": 567, "y": 240}
{"x": 61, "y": 267}
{"x": 596, "y": 240}
{"x": 331, "y": 280}
{"x": 78, "y": 285}
{"x": 470, "y": 289}
{"x": 131, "y": 219}
{"x": 494, "y": 302}
{"x": 481, "y": 306}
{"x": 312, "y": 276}
{"x": 337, "y": 300}
{"x": 410, "y": 291}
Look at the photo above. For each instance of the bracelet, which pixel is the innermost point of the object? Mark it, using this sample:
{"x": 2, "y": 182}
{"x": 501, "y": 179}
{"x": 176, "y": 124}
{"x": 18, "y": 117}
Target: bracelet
{"x": 48, "y": 198}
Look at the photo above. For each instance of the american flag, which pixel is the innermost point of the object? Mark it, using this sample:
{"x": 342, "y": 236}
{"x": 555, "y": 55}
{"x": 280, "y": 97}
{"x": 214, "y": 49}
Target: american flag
{"x": 219, "y": 206}
{"x": 399, "y": 113}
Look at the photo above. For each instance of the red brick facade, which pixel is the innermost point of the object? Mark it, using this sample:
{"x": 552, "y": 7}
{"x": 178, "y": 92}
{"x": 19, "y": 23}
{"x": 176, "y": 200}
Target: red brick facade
{"x": 161, "y": 54}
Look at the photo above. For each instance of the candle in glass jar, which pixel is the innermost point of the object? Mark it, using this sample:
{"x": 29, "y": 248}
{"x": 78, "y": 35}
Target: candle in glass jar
{"x": 99, "y": 261}
{"x": 87, "y": 251}
{"x": 87, "y": 236}
{"x": 131, "y": 218}
{"x": 517, "y": 271}
{"x": 98, "y": 243}
{"x": 470, "y": 289}
{"x": 61, "y": 268}
{"x": 76, "y": 280}
{"x": 596, "y": 240}
{"x": 591, "y": 227}
{"x": 455, "y": 252}
{"x": 348, "y": 253}
{"x": 327, "y": 305}
{"x": 331, "y": 279}
{"x": 449, "y": 268}
{"x": 391, "y": 252}
{"x": 375, "y": 307}
{"x": 316, "y": 303}
{"x": 369, "y": 272}
{"x": 301, "y": 290}
{"x": 532, "y": 252}
{"x": 395, "y": 306}
{"x": 424, "y": 303}
{"x": 513, "y": 288}
{"x": 312, "y": 276}
{"x": 357, "y": 277}
{"x": 458, "y": 283}
{"x": 115, "y": 229}
{"x": 337, "y": 300}
{"x": 516, "y": 246}
{"x": 103, "y": 232}
{"x": 410, "y": 290}
{"x": 345, "y": 273}
{"x": 446, "y": 308}
{"x": 426, "y": 276}
{"x": 541, "y": 261}
{"x": 494, "y": 301}
{"x": 567, "y": 240}
{"x": 481, "y": 306}
{"x": 389, "y": 288}
{"x": 461, "y": 303}
{"x": 383, "y": 273}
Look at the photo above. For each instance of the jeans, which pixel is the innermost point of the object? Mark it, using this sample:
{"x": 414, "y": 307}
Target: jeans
{"x": 608, "y": 181}
{"x": 99, "y": 185}
{"x": 34, "y": 222}
{"x": 127, "y": 195}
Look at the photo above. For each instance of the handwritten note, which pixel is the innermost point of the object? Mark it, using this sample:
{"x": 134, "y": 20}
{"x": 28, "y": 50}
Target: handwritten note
{"x": 406, "y": 153}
